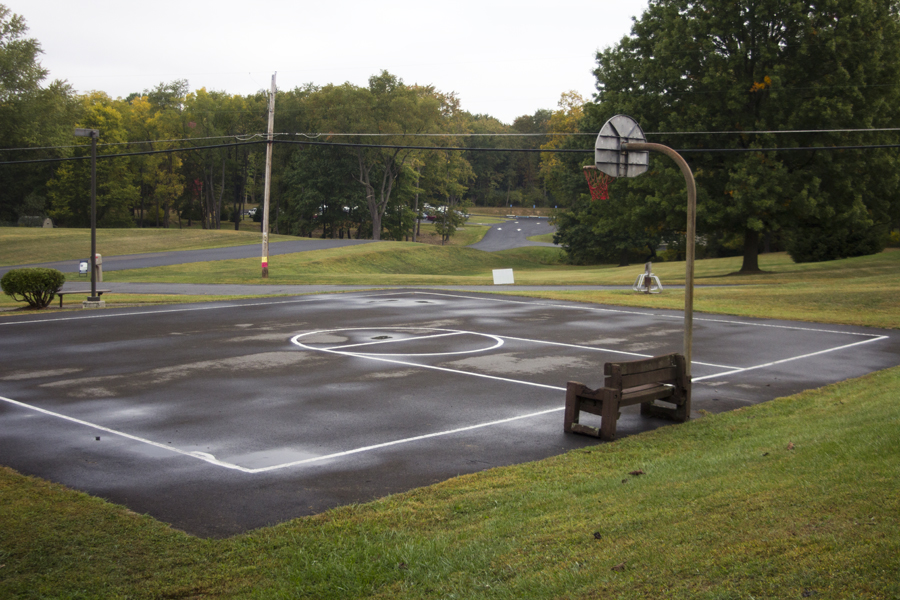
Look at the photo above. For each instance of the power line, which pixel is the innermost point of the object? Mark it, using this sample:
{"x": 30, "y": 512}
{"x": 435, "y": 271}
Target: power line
{"x": 444, "y": 148}
{"x": 241, "y": 137}
{"x": 250, "y": 136}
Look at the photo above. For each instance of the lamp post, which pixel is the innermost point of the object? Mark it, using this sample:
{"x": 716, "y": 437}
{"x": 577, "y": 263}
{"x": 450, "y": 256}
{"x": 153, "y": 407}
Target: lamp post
{"x": 94, "y": 134}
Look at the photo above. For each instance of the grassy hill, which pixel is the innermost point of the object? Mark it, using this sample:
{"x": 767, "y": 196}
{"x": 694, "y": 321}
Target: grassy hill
{"x": 27, "y": 245}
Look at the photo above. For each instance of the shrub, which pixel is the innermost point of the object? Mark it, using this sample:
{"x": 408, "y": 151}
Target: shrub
{"x": 816, "y": 244}
{"x": 35, "y": 286}
{"x": 31, "y": 221}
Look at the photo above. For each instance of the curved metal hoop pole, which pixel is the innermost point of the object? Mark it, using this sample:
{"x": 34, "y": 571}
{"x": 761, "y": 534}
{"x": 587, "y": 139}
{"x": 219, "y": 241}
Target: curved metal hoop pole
{"x": 690, "y": 242}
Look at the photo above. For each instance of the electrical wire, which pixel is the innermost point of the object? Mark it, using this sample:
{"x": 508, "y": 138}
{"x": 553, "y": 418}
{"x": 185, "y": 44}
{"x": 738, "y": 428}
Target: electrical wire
{"x": 442, "y": 148}
{"x": 242, "y": 137}
{"x": 262, "y": 136}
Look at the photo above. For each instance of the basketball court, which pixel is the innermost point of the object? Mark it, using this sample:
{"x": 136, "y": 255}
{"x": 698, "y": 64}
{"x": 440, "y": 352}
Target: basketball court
{"x": 227, "y": 416}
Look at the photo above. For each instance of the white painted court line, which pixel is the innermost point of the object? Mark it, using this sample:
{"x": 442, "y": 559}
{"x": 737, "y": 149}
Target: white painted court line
{"x": 497, "y": 341}
{"x": 198, "y": 455}
{"x": 155, "y": 312}
{"x": 407, "y": 440}
{"x": 212, "y": 460}
{"x": 443, "y": 369}
{"x": 645, "y": 314}
{"x": 394, "y": 341}
{"x": 209, "y": 458}
{"x": 793, "y": 358}
{"x": 610, "y": 350}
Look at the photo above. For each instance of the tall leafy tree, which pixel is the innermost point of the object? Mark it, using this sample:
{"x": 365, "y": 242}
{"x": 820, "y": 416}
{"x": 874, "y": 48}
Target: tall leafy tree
{"x": 30, "y": 116}
{"x": 387, "y": 107}
{"x": 763, "y": 65}
{"x": 69, "y": 190}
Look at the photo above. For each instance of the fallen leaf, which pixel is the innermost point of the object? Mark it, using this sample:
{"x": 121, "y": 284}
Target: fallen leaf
{"x": 790, "y": 446}
{"x": 619, "y": 567}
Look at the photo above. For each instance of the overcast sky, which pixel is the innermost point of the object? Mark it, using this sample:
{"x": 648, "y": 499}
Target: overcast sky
{"x": 502, "y": 58}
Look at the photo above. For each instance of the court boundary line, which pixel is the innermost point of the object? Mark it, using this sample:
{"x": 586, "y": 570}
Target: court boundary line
{"x": 417, "y": 291}
{"x": 211, "y": 459}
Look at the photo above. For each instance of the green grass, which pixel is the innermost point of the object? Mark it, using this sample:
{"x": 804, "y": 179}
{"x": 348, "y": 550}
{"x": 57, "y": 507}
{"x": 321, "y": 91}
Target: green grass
{"x": 857, "y": 291}
{"x": 544, "y": 237}
{"x": 27, "y": 245}
{"x": 381, "y": 263}
{"x": 793, "y": 498}
{"x": 10, "y": 308}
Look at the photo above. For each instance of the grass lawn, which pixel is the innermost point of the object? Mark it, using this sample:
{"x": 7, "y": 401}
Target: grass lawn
{"x": 27, "y": 245}
{"x": 793, "y": 498}
{"x": 857, "y": 291}
{"x": 11, "y": 309}
{"x": 544, "y": 237}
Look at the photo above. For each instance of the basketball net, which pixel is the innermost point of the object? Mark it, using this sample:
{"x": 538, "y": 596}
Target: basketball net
{"x": 598, "y": 182}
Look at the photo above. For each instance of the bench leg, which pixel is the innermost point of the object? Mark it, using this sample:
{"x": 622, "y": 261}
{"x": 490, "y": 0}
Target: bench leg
{"x": 609, "y": 415}
{"x": 572, "y": 412}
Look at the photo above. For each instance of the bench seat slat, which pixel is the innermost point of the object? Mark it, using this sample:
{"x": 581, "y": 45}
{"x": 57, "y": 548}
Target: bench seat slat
{"x": 669, "y": 374}
{"x": 640, "y": 366}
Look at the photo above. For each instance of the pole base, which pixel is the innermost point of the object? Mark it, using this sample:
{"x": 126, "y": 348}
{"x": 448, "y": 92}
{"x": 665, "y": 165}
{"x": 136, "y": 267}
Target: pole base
{"x": 93, "y": 303}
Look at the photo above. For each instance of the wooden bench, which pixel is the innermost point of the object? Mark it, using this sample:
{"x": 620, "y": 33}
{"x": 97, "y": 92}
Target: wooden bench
{"x": 62, "y": 293}
{"x": 644, "y": 382}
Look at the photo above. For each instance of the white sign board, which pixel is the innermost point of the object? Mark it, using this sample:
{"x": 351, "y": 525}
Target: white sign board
{"x": 503, "y": 276}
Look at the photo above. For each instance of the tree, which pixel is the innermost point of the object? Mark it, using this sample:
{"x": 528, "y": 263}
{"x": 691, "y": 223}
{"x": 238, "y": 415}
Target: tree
{"x": 556, "y": 168}
{"x": 20, "y": 71}
{"x": 30, "y": 116}
{"x": 765, "y": 65}
{"x": 322, "y": 191}
{"x": 387, "y": 107}
{"x": 69, "y": 190}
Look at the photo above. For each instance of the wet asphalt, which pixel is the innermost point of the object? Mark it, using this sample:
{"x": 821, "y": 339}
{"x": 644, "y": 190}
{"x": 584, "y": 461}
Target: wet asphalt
{"x": 223, "y": 417}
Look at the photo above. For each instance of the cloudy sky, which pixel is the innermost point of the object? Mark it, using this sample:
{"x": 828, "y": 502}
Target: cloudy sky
{"x": 502, "y": 58}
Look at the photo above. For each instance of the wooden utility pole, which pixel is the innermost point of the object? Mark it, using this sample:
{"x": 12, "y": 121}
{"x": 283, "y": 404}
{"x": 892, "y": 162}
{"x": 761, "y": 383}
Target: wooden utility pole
{"x": 265, "y": 218}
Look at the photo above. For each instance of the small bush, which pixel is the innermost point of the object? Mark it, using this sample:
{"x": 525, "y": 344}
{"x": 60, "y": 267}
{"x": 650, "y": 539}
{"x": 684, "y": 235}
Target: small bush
{"x": 35, "y": 286}
{"x": 816, "y": 244}
{"x": 31, "y": 221}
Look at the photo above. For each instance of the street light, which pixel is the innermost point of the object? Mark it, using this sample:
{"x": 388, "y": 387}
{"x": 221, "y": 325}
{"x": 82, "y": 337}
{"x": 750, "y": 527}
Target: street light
{"x": 94, "y": 134}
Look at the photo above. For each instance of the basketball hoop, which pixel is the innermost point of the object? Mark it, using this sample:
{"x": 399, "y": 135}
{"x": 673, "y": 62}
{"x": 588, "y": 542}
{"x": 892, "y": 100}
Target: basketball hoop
{"x": 598, "y": 182}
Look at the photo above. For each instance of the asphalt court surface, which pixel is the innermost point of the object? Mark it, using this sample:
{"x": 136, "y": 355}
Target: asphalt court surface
{"x": 223, "y": 417}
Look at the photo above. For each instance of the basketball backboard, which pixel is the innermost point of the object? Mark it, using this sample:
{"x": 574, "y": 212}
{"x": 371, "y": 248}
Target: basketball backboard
{"x": 608, "y": 154}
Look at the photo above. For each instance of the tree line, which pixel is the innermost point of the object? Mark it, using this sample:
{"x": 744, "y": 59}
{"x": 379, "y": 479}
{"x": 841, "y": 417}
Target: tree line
{"x": 724, "y": 80}
{"x": 329, "y": 190}
{"x": 719, "y": 81}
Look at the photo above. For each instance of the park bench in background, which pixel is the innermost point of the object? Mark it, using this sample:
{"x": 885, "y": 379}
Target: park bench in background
{"x": 644, "y": 382}
{"x": 62, "y": 293}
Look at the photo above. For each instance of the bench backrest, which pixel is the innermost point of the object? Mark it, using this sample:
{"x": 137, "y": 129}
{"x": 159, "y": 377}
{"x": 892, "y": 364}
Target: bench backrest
{"x": 668, "y": 368}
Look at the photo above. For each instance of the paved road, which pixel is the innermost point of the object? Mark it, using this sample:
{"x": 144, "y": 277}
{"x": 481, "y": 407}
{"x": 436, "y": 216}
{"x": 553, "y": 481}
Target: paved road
{"x": 212, "y": 417}
{"x": 503, "y": 236}
{"x": 514, "y": 234}
{"x": 178, "y": 257}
